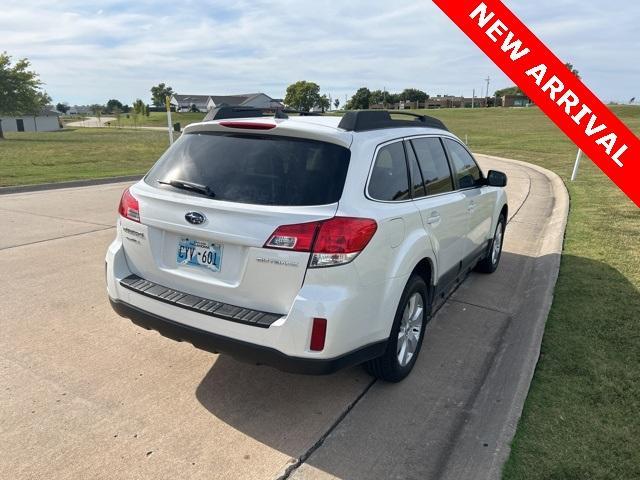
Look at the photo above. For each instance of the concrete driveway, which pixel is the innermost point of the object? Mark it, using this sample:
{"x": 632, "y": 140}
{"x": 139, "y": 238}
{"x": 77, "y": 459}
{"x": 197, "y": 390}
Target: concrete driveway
{"x": 86, "y": 394}
{"x": 108, "y": 122}
{"x": 92, "y": 122}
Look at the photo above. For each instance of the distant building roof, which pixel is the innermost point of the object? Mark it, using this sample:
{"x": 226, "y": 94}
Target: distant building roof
{"x": 44, "y": 112}
{"x": 190, "y": 99}
{"x": 232, "y": 100}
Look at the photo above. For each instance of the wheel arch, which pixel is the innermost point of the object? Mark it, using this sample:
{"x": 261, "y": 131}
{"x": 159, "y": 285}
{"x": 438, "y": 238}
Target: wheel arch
{"x": 505, "y": 211}
{"x": 425, "y": 269}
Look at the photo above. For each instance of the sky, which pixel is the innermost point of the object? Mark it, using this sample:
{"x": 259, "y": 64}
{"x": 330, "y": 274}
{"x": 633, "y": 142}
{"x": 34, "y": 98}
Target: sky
{"x": 88, "y": 52}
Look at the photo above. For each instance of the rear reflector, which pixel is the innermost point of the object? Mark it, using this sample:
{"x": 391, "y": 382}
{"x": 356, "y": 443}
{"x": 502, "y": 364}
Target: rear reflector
{"x": 129, "y": 207}
{"x": 318, "y": 334}
{"x": 331, "y": 242}
{"x": 249, "y": 125}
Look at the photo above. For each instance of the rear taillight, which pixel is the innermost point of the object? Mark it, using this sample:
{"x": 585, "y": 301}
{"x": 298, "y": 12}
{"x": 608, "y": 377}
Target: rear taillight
{"x": 129, "y": 207}
{"x": 332, "y": 242}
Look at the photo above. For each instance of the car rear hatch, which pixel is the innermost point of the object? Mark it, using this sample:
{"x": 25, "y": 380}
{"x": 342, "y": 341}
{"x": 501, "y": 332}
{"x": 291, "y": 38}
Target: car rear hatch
{"x": 210, "y": 204}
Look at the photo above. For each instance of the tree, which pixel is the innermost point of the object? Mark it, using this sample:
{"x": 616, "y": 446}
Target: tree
{"x": 377, "y": 96}
{"x": 302, "y": 95}
{"x": 97, "y": 109}
{"x": 63, "y": 107}
{"x": 112, "y": 105}
{"x": 413, "y": 95}
{"x": 194, "y": 108}
{"x": 393, "y": 98}
{"x": 324, "y": 103}
{"x": 572, "y": 69}
{"x": 146, "y": 111}
{"x": 20, "y": 88}
{"x": 508, "y": 91}
{"x": 336, "y": 103}
{"x": 361, "y": 100}
{"x": 159, "y": 94}
{"x": 138, "y": 107}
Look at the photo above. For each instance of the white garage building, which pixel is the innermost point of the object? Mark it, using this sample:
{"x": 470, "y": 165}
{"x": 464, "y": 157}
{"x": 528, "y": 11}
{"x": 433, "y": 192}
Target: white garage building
{"x": 45, "y": 121}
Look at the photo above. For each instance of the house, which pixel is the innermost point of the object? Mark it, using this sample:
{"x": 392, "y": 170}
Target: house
{"x": 80, "y": 110}
{"x": 184, "y": 103}
{"x": 204, "y": 103}
{"x": 44, "y": 121}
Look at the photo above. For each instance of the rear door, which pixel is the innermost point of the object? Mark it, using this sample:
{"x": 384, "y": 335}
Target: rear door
{"x": 254, "y": 184}
{"x": 479, "y": 198}
{"x": 443, "y": 210}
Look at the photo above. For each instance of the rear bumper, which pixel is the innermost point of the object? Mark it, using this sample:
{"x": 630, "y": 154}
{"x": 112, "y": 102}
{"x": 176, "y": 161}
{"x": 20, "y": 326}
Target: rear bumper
{"x": 245, "y": 351}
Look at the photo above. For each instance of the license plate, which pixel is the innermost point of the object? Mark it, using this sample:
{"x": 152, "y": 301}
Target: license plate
{"x": 199, "y": 253}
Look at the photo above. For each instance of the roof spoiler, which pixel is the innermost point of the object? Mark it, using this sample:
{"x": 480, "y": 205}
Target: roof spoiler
{"x": 365, "y": 120}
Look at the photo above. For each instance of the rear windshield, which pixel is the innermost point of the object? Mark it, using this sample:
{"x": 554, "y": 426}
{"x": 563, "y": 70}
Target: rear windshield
{"x": 255, "y": 169}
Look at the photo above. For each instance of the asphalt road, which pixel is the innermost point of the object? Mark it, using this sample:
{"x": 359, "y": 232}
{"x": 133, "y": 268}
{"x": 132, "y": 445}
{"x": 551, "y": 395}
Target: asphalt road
{"x": 86, "y": 394}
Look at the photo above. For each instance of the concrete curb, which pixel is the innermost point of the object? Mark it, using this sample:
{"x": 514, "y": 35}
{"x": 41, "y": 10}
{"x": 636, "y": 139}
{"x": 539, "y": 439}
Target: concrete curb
{"x": 40, "y": 187}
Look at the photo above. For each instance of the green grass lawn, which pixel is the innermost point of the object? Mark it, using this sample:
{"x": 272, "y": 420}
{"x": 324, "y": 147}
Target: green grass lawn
{"x": 73, "y": 154}
{"x": 158, "y": 119}
{"x": 581, "y": 419}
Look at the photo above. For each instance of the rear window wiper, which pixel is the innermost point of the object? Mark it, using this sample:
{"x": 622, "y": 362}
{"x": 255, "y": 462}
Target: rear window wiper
{"x": 191, "y": 186}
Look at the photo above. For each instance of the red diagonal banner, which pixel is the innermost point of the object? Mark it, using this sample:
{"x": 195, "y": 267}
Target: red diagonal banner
{"x": 546, "y": 81}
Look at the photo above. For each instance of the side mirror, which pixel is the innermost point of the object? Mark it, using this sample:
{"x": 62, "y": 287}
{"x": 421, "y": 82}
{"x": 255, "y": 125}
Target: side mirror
{"x": 496, "y": 179}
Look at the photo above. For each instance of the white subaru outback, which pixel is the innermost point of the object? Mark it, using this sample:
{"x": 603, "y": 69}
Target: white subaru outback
{"x": 308, "y": 243}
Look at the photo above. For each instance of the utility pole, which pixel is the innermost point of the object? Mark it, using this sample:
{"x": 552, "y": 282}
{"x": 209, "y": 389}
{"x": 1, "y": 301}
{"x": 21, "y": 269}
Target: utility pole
{"x": 167, "y": 102}
{"x": 473, "y": 99}
{"x": 488, "y": 80}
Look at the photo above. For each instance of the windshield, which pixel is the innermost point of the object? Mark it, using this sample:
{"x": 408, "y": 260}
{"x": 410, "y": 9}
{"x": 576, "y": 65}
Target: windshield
{"x": 255, "y": 169}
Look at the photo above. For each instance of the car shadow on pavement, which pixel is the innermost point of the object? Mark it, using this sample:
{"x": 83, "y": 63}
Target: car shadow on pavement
{"x": 426, "y": 414}
{"x": 285, "y": 411}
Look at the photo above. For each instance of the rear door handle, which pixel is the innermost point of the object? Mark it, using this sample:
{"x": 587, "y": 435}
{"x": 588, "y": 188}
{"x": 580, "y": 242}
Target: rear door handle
{"x": 434, "y": 219}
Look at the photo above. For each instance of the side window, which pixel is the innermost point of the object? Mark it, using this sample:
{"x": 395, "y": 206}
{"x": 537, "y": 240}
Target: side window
{"x": 467, "y": 169}
{"x": 416, "y": 175}
{"x": 434, "y": 165}
{"x": 389, "y": 179}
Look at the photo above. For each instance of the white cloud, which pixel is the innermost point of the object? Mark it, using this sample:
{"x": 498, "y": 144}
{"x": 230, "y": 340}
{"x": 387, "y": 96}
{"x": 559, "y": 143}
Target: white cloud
{"x": 118, "y": 49}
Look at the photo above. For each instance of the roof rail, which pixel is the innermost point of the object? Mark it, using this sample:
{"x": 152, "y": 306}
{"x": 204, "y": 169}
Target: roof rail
{"x": 227, "y": 111}
{"x": 302, "y": 113}
{"x": 365, "y": 120}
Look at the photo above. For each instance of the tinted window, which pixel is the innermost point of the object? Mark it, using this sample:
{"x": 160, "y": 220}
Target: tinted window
{"x": 434, "y": 165}
{"x": 261, "y": 170}
{"x": 416, "y": 175}
{"x": 466, "y": 167}
{"x": 389, "y": 179}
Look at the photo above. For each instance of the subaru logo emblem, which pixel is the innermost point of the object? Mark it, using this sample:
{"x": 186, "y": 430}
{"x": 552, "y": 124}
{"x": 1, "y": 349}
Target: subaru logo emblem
{"x": 195, "y": 218}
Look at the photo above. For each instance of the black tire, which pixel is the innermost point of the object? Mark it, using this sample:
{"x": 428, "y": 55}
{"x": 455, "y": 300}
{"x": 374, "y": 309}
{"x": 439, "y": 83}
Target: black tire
{"x": 489, "y": 264}
{"x": 388, "y": 367}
